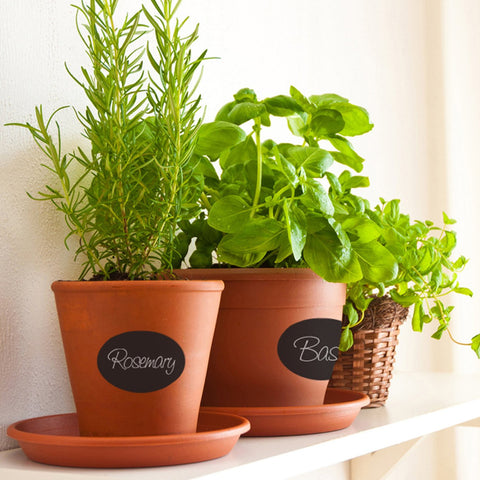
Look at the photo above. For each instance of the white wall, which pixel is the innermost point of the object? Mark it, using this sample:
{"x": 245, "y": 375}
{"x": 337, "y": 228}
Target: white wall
{"x": 386, "y": 55}
{"x": 35, "y": 39}
{"x": 461, "y": 72}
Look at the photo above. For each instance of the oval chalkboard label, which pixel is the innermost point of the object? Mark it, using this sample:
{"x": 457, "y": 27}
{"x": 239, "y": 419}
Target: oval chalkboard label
{"x": 310, "y": 348}
{"x": 141, "y": 361}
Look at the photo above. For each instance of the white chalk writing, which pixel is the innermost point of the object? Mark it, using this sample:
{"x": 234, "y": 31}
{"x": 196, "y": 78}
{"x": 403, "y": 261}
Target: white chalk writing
{"x": 312, "y": 350}
{"x": 120, "y": 357}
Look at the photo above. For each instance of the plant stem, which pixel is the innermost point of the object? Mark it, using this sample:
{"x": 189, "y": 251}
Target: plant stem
{"x": 455, "y": 341}
{"x": 360, "y": 320}
{"x": 119, "y": 87}
{"x": 258, "y": 186}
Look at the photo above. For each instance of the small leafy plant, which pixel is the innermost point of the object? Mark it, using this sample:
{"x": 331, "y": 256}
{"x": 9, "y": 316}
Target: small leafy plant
{"x": 281, "y": 204}
{"x": 427, "y": 272}
{"x": 124, "y": 198}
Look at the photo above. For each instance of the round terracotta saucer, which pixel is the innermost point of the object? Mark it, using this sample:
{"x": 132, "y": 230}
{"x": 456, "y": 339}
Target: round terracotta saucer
{"x": 339, "y": 411}
{"x": 55, "y": 440}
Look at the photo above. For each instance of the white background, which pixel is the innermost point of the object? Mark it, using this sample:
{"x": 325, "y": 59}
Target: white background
{"x": 412, "y": 63}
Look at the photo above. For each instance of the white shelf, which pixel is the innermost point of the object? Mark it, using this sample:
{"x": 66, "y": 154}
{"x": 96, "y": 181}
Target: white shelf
{"x": 419, "y": 404}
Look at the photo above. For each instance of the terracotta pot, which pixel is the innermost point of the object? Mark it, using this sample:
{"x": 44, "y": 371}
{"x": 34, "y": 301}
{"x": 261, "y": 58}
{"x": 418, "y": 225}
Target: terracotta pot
{"x": 137, "y": 352}
{"x": 264, "y": 338}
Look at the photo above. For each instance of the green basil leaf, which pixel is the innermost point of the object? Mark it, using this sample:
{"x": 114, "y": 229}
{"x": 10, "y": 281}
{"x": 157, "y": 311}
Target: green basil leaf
{"x": 436, "y": 277}
{"x": 334, "y": 182}
{"x": 447, "y": 220}
{"x": 199, "y": 259}
{"x": 407, "y": 299}
{"x": 463, "y": 291}
{"x": 316, "y": 222}
{"x": 357, "y": 120}
{"x": 282, "y": 106}
{"x": 204, "y": 167}
{"x": 350, "y": 312}
{"x": 207, "y": 234}
{"x": 359, "y": 299}
{"x": 341, "y": 233}
{"x": 241, "y": 153}
{"x": 242, "y": 112}
{"x": 330, "y": 259}
{"x": 286, "y": 167}
{"x": 363, "y": 228}
{"x": 256, "y": 236}
{"x": 341, "y": 209}
{"x": 346, "y": 156}
{"x": 460, "y": 263}
{"x": 246, "y": 95}
{"x": 448, "y": 242}
{"x": 215, "y": 137}
{"x": 358, "y": 205}
{"x": 346, "y": 340}
{"x": 417, "y": 318}
{"x": 438, "y": 334}
{"x": 427, "y": 257}
{"x": 302, "y": 100}
{"x": 182, "y": 242}
{"x": 377, "y": 263}
{"x": 229, "y": 214}
{"x": 356, "y": 182}
{"x": 236, "y": 259}
{"x": 476, "y": 345}
{"x": 298, "y": 124}
{"x": 315, "y": 161}
{"x": 251, "y": 178}
{"x": 284, "y": 249}
{"x": 348, "y": 160}
{"x": 296, "y": 228}
{"x": 284, "y": 148}
{"x": 327, "y": 99}
{"x": 231, "y": 177}
{"x": 391, "y": 212}
{"x": 317, "y": 198}
{"x": 394, "y": 241}
{"x": 326, "y": 122}
{"x": 222, "y": 115}
{"x": 265, "y": 119}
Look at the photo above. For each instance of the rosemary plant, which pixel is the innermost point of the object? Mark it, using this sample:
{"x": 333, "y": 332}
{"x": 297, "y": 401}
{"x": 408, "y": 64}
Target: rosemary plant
{"x": 124, "y": 199}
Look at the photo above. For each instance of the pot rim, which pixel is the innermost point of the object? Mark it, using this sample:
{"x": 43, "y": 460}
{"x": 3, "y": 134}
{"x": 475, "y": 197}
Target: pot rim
{"x": 137, "y": 285}
{"x": 247, "y": 274}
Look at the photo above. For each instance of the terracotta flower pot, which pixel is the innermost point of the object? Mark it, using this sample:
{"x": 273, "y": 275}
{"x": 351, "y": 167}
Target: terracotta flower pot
{"x": 137, "y": 352}
{"x": 276, "y": 338}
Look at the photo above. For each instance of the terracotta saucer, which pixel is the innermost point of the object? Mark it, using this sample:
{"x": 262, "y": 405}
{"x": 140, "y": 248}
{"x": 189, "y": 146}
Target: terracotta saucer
{"x": 55, "y": 440}
{"x": 339, "y": 411}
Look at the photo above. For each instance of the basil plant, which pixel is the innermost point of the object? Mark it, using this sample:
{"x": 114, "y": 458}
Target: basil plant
{"x": 269, "y": 204}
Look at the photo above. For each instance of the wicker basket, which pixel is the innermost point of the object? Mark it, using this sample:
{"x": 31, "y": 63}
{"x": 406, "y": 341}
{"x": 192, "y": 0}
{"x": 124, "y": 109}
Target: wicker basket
{"x": 367, "y": 367}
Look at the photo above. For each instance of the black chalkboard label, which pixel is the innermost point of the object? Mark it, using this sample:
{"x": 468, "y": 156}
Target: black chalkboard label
{"x": 310, "y": 348}
{"x": 141, "y": 361}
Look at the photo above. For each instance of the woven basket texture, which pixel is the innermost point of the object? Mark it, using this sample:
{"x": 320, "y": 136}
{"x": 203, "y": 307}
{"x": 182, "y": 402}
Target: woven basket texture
{"x": 367, "y": 367}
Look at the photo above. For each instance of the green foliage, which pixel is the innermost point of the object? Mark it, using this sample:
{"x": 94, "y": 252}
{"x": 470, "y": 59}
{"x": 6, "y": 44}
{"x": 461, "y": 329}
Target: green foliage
{"x": 279, "y": 204}
{"x": 427, "y": 271}
{"x": 124, "y": 199}
{"x": 476, "y": 345}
